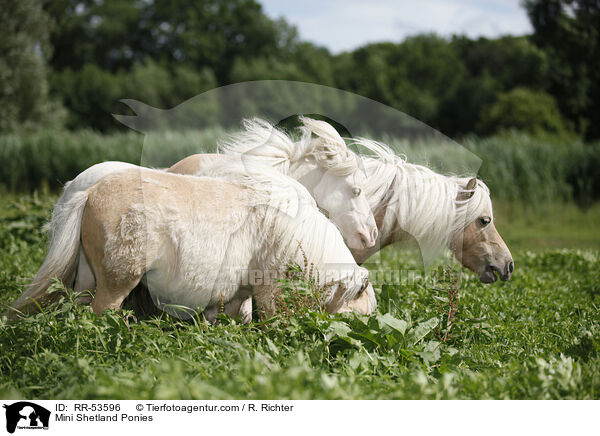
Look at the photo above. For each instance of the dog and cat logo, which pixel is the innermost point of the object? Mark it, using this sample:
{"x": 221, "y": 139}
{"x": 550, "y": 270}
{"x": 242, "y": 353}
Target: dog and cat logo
{"x": 26, "y": 415}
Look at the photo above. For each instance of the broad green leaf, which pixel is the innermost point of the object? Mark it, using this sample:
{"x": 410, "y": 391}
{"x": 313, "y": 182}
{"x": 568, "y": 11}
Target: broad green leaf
{"x": 423, "y": 329}
{"x": 338, "y": 329}
{"x": 431, "y": 352}
{"x": 395, "y": 323}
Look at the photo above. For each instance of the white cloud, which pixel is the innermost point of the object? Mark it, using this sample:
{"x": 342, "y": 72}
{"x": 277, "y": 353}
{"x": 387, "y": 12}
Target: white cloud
{"x": 352, "y": 23}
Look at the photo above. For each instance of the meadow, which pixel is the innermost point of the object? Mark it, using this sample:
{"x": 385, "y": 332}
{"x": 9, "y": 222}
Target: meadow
{"x": 440, "y": 336}
{"x": 436, "y": 334}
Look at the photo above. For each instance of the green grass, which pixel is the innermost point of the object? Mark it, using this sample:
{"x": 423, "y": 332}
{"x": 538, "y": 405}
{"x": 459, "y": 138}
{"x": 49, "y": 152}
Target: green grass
{"x": 537, "y": 336}
{"x": 543, "y": 226}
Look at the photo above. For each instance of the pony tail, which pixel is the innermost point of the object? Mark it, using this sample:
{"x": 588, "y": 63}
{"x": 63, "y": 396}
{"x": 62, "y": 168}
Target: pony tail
{"x": 62, "y": 258}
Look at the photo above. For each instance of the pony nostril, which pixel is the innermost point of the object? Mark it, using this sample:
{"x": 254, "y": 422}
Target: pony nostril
{"x": 374, "y": 234}
{"x": 511, "y": 267}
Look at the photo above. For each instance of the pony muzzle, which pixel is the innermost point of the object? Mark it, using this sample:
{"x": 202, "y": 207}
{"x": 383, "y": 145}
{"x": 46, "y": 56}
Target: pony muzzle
{"x": 489, "y": 274}
{"x": 368, "y": 238}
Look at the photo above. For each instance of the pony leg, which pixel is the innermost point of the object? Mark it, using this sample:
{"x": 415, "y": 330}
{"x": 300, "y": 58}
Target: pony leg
{"x": 232, "y": 308}
{"x": 84, "y": 280}
{"x": 112, "y": 287}
{"x": 235, "y": 307}
{"x": 265, "y": 301}
{"x": 113, "y": 282}
{"x": 111, "y": 297}
{"x": 210, "y": 313}
{"x": 241, "y": 307}
{"x": 245, "y": 311}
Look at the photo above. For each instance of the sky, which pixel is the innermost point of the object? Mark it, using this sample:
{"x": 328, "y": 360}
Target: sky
{"x": 347, "y": 24}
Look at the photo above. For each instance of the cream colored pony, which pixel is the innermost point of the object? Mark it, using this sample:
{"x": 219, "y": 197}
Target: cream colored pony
{"x": 439, "y": 212}
{"x": 196, "y": 239}
{"x": 329, "y": 170}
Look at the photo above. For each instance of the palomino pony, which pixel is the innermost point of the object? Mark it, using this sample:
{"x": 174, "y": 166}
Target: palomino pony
{"x": 335, "y": 180}
{"x": 197, "y": 239}
{"x": 412, "y": 201}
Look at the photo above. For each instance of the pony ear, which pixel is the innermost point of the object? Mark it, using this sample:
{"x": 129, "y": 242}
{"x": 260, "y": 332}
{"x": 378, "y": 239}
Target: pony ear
{"x": 468, "y": 191}
{"x": 471, "y": 184}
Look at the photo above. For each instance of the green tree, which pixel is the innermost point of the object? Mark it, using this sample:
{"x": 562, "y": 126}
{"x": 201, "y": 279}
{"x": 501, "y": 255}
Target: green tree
{"x": 163, "y": 87}
{"x": 461, "y": 112}
{"x": 416, "y": 76}
{"x": 366, "y": 71}
{"x": 111, "y": 34}
{"x": 492, "y": 66}
{"x": 569, "y": 32}
{"x": 533, "y": 112}
{"x": 510, "y": 60}
{"x": 23, "y": 51}
{"x": 164, "y": 51}
{"x": 315, "y": 62}
{"x": 117, "y": 34}
{"x": 91, "y": 94}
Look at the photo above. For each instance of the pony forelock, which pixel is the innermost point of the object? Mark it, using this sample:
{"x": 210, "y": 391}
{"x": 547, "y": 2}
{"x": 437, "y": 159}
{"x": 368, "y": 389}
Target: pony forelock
{"x": 262, "y": 139}
{"x": 328, "y": 148}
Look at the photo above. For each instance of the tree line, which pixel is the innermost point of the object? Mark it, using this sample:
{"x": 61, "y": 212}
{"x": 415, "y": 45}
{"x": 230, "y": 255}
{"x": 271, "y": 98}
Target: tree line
{"x": 68, "y": 62}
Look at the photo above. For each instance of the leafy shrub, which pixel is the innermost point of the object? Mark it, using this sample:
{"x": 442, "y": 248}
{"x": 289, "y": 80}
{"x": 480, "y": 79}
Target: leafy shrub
{"x": 51, "y": 158}
{"x": 92, "y": 94}
{"x": 515, "y": 166}
{"x": 532, "y": 112}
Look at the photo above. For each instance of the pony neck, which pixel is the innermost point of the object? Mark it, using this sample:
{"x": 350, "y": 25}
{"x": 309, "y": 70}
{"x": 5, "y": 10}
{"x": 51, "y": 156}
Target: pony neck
{"x": 412, "y": 200}
{"x": 306, "y": 171}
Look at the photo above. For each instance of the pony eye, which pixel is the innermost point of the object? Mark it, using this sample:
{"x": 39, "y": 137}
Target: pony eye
{"x": 484, "y": 221}
{"x": 356, "y": 191}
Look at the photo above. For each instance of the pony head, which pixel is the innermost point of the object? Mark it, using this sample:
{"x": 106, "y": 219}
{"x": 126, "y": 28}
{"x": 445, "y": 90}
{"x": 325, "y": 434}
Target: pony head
{"x": 322, "y": 163}
{"x": 438, "y": 211}
{"x": 338, "y": 183}
{"x": 479, "y": 246}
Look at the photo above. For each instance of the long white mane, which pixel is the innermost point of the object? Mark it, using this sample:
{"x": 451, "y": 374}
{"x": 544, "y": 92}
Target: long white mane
{"x": 419, "y": 201}
{"x": 262, "y": 139}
